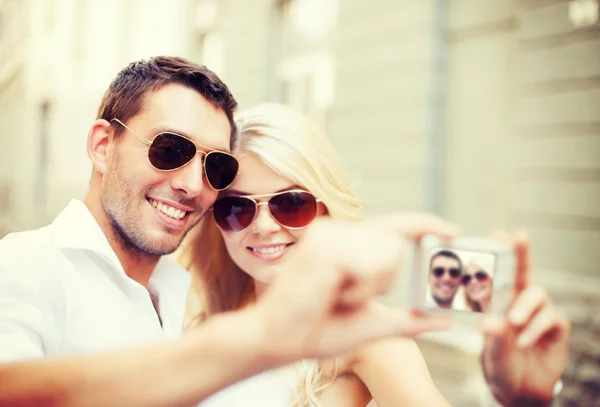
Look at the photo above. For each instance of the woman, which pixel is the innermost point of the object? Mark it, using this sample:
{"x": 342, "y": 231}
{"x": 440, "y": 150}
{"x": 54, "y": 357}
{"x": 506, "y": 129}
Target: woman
{"x": 289, "y": 175}
{"x": 477, "y": 284}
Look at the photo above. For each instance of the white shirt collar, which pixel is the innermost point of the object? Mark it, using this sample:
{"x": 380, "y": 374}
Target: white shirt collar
{"x": 76, "y": 228}
{"x": 67, "y": 293}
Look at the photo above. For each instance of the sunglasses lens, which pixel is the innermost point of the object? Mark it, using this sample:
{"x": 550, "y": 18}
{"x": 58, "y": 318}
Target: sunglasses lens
{"x": 466, "y": 279}
{"x": 481, "y": 275}
{"x": 169, "y": 151}
{"x": 234, "y": 213}
{"x": 454, "y": 273}
{"x": 221, "y": 169}
{"x": 294, "y": 209}
{"x": 438, "y": 271}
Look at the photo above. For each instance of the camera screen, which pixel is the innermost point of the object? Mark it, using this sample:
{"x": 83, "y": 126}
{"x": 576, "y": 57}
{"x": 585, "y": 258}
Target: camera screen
{"x": 460, "y": 280}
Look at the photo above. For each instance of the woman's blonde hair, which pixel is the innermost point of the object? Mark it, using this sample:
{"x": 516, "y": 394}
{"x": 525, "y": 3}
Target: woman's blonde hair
{"x": 293, "y": 146}
{"x": 482, "y": 263}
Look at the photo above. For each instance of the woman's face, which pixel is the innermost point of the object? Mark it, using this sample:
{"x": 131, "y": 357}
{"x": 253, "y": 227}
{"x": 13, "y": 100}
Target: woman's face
{"x": 479, "y": 286}
{"x": 263, "y": 246}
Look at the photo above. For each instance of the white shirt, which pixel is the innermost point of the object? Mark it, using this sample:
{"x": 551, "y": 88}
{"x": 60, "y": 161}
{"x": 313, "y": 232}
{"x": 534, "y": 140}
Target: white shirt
{"x": 430, "y": 302}
{"x": 457, "y": 304}
{"x": 273, "y": 388}
{"x": 64, "y": 291}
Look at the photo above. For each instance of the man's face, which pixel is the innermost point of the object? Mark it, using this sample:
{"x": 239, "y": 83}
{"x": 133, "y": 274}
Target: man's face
{"x": 145, "y": 205}
{"x": 444, "y": 285}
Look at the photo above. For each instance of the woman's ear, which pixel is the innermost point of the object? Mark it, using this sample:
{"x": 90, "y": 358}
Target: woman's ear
{"x": 322, "y": 209}
{"x": 99, "y": 138}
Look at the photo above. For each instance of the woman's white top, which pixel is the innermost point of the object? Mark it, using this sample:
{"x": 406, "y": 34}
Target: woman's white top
{"x": 274, "y": 388}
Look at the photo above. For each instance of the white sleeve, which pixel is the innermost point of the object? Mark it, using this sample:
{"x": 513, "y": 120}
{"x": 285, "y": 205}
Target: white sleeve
{"x": 28, "y": 327}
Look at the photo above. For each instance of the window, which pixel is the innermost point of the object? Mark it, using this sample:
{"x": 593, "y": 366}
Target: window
{"x": 1, "y": 22}
{"x": 206, "y": 41}
{"x": 39, "y": 192}
{"x": 305, "y": 69}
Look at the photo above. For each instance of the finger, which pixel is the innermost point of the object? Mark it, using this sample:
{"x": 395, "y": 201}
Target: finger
{"x": 526, "y": 305}
{"x": 417, "y": 225}
{"x": 353, "y": 293}
{"x": 502, "y": 236}
{"x": 371, "y": 267}
{"x": 420, "y": 326}
{"x": 376, "y": 321}
{"x": 498, "y": 344}
{"x": 520, "y": 244}
{"x": 358, "y": 289}
{"x": 542, "y": 323}
{"x": 523, "y": 266}
{"x": 494, "y": 325}
{"x": 498, "y": 336}
{"x": 410, "y": 324}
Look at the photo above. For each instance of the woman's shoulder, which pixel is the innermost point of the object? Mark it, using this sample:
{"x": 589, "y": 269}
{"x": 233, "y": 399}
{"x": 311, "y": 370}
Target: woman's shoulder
{"x": 401, "y": 363}
{"x": 380, "y": 352}
{"x": 348, "y": 390}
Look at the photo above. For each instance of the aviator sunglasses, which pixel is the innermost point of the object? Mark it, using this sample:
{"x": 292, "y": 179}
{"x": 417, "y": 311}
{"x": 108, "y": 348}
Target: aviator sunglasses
{"x": 293, "y": 209}
{"x": 169, "y": 151}
{"x": 480, "y": 276}
{"x": 439, "y": 271}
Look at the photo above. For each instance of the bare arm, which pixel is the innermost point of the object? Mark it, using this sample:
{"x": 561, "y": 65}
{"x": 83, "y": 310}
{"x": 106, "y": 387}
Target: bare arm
{"x": 396, "y": 374}
{"x": 347, "y": 391}
{"x": 170, "y": 374}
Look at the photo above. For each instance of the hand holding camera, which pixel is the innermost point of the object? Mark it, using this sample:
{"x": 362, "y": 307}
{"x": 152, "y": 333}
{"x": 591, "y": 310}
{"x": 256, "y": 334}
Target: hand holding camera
{"x": 488, "y": 280}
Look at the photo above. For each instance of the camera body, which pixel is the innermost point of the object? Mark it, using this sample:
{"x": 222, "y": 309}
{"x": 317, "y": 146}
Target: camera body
{"x": 473, "y": 275}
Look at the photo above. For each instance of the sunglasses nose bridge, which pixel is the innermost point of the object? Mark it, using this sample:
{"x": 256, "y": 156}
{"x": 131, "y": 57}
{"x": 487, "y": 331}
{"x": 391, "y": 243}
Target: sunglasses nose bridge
{"x": 190, "y": 178}
{"x": 264, "y": 222}
{"x": 203, "y": 155}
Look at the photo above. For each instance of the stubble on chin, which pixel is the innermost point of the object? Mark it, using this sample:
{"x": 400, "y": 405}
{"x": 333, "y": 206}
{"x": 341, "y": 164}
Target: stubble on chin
{"x": 172, "y": 247}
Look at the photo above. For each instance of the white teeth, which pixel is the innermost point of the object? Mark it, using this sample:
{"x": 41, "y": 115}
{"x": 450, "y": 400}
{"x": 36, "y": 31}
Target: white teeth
{"x": 269, "y": 250}
{"x": 168, "y": 210}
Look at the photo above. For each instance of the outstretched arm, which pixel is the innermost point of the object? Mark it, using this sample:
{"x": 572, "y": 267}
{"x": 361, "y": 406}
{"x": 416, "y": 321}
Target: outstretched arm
{"x": 169, "y": 374}
{"x": 396, "y": 374}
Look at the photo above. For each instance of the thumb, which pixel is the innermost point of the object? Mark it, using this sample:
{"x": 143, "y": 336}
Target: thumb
{"x": 413, "y": 323}
{"x": 398, "y": 322}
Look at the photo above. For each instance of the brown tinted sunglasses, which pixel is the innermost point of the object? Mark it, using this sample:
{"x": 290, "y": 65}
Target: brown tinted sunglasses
{"x": 169, "y": 151}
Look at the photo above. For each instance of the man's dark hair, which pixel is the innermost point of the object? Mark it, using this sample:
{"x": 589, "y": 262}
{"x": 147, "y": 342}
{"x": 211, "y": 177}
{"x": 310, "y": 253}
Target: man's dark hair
{"x": 125, "y": 96}
{"x": 446, "y": 253}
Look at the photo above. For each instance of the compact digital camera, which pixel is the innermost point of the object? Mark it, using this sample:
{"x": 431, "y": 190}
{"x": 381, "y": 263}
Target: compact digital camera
{"x": 473, "y": 275}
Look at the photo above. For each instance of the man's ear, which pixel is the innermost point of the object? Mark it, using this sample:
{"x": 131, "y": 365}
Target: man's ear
{"x": 98, "y": 141}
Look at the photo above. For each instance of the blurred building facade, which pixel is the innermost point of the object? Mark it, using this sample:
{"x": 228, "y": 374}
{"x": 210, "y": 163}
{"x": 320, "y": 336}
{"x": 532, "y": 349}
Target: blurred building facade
{"x": 483, "y": 111}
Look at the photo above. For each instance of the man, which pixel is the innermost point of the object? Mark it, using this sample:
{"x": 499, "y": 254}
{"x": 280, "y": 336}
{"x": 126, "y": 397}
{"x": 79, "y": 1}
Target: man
{"x": 445, "y": 270}
{"x": 90, "y": 310}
